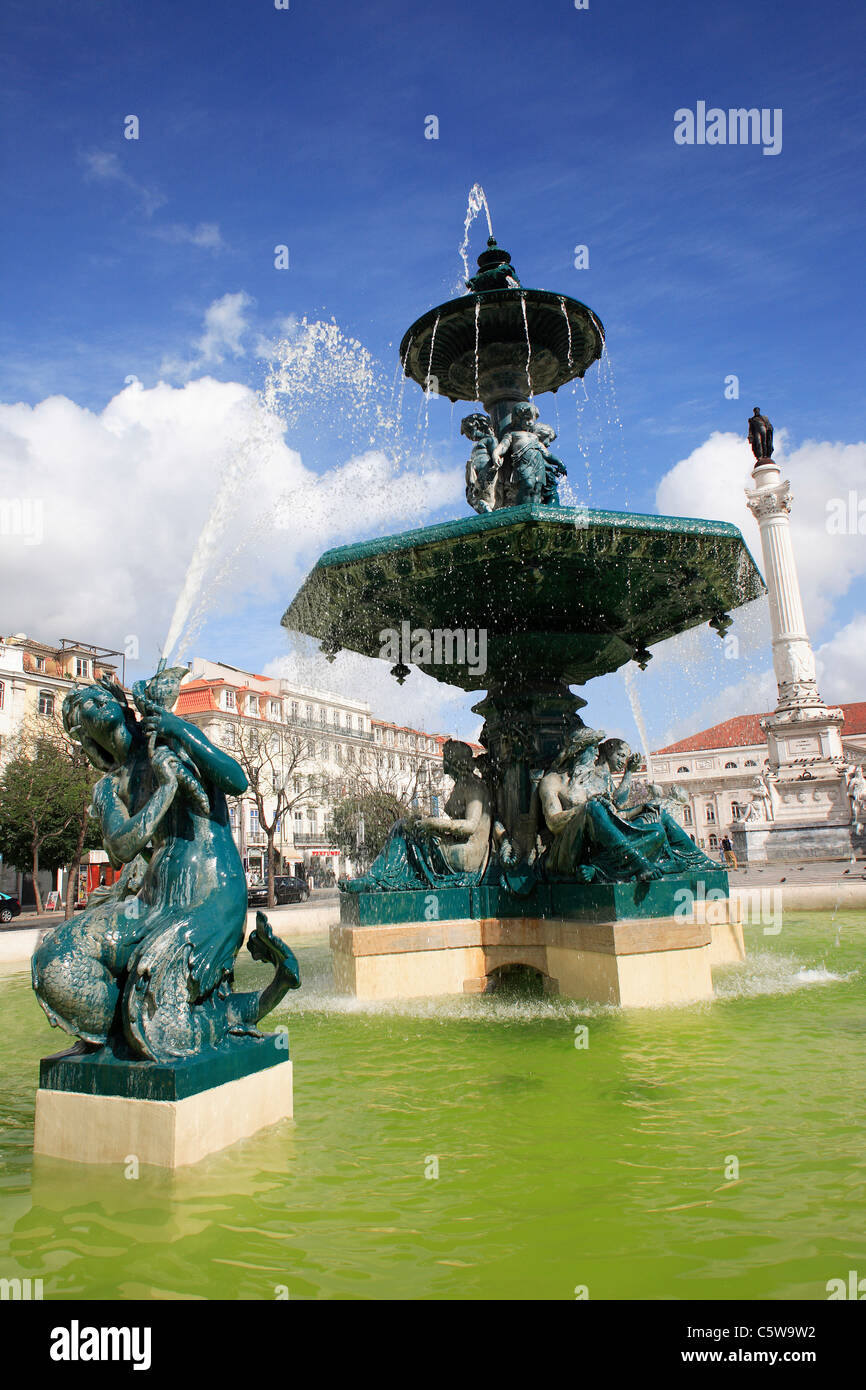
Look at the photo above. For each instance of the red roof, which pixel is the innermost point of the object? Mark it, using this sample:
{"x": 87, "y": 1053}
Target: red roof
{"x": 744, "y": 731}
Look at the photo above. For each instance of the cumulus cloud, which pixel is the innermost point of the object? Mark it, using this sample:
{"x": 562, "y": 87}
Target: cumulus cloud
{"x": 710, "y": 483}
{"x": 175, "y": 498}
{"x": 226, "y": 324}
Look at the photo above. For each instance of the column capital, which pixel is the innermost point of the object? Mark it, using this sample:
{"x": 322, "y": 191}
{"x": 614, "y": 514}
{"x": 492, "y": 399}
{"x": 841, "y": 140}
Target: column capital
{"x": 771, "y": 500}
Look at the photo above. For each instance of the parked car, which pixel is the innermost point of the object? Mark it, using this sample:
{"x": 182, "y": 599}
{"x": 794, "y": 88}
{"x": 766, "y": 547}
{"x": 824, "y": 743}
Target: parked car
{"x": 9, "y": 907}
{"x": 287, "y": 889}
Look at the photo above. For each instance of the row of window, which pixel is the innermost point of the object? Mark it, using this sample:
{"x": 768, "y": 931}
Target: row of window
{"x": 710, "y": 813}
{"x": 750, "y": 762}
{"x": 262, "y": 706}
{"x": 403, "y": 738}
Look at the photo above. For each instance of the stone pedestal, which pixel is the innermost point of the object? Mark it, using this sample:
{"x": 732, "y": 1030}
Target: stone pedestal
{"x": 98, "y": 1109}
{"x": 626, "y": 944}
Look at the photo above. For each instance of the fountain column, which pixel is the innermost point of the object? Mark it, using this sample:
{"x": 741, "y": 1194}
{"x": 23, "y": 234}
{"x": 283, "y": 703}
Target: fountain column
{"x": 804, "y": 741}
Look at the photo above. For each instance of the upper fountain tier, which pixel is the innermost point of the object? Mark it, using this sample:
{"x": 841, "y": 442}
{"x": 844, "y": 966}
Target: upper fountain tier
{"x": 501, "y": 342}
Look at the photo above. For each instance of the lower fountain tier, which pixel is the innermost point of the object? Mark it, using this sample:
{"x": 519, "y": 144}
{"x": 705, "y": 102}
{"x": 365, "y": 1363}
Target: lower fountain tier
{"x": 560, "y": 593}
{"x": 629, "y": 944}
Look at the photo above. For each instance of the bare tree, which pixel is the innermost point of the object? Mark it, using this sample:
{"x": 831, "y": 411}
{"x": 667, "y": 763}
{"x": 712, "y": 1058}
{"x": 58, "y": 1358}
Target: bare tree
{"x": 281, "y": 770}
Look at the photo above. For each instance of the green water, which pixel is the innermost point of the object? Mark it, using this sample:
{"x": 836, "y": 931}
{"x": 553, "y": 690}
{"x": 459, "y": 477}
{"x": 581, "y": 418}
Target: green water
{"x": 558, "y": 1166}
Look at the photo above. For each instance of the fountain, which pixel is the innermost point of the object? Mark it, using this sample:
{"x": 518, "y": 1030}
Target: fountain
{"x": 543, "y": 859}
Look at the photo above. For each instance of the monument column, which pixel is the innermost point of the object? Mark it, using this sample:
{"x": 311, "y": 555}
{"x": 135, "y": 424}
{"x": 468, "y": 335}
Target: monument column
{"x": 806, "y": 760}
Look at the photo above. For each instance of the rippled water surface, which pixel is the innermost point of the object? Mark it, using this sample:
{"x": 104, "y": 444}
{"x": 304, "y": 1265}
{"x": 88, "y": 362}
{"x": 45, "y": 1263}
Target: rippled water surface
{"x": 558, "y": 1166}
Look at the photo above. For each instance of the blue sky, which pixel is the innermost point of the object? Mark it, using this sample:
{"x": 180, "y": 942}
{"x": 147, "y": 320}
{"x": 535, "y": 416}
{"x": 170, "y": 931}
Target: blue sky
{"x": 306, "y": 127}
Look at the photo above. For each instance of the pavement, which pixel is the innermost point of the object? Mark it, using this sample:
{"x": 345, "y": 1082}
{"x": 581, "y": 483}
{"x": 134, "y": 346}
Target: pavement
{"x": 809, "y": 887}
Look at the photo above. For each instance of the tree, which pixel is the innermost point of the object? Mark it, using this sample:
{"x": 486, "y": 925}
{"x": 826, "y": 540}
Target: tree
{"x": 45, "y": 792}
{"x": 359, "y": 823}
{"x": 276, "y": 763}
{"x": 374, "y": 795}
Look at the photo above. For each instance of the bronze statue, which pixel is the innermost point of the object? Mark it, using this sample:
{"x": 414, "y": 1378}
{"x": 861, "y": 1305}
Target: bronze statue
{"x": 760, "y": 435}
{"x": 481, "y": 471}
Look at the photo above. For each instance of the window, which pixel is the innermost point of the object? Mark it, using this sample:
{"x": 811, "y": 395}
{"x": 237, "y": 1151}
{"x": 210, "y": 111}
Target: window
{"x": 683, "y": 769}
{"x": 2, "y": 693}
{"x": 254, "y": 820}
{"x": 253, "y": 706}
{"x": 736, "y": 811}
{"x": 46, "y": 703}
{"x": 350, "y": 754}
{"x": 231, "y": 736}
{"x": 714, "y": 842}
{"x": 687, "y": 815}
{"x": 308, "y": 713}
{"x": 349, "y": 721}
{"x": 710, "y": 813}
{"x": 274, "y": 709}
{"x": 231, "y": 702}
{"x": 39, "y": 663}
{"x": 82, "y": 667}
{"x": 233, "y": 817}
{"x": 750, "y": 762}
{"x": 377, "y": 734}
{"x": 730, "y": 764}
{"x": 296, "y": 709}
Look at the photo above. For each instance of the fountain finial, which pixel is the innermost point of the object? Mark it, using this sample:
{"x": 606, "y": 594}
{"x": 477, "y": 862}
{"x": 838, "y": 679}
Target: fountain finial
{"x": 495, "y": 271}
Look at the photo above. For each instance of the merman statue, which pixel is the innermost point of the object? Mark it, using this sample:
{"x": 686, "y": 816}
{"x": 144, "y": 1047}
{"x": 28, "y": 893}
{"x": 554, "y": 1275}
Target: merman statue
{"x": 146, "y": 970}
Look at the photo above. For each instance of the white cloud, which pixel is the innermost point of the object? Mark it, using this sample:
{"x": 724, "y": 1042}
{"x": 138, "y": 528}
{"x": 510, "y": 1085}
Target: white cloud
{"x": 841, "y": 663}
{"x": 204, "y": 234}
{"x": 711, "y": 481}
{"x": 170, "y": 477}
{"x": 226, "y": 324}
{"x": 105, "y": 167}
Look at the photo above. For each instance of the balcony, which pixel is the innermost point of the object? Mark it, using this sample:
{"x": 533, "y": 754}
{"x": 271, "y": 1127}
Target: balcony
{"x": 307, "y": 838}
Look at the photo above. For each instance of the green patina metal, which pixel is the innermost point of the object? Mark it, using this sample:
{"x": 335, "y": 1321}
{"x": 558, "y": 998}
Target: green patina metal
{"x": 145, "y": 972}
{"x": 581, "y": 902}
{"x": 103, "y": 1073}
{"x": 562, "y": 592}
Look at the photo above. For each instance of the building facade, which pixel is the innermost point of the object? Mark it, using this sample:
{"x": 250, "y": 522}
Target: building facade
{"x": 719, "y": 769}
{"x": 35, "y": 677}
{"x": 320, "y": 745}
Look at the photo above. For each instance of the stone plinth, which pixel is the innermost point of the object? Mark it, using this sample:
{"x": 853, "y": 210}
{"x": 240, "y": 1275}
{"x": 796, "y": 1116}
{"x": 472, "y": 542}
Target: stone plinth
{"x": 642, "y": 961}
{"x": 96, "y": 1108}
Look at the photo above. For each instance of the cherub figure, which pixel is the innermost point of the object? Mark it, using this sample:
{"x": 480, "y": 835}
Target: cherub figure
{"x": 481, "y": 471}
{"x": 534, "y": 469}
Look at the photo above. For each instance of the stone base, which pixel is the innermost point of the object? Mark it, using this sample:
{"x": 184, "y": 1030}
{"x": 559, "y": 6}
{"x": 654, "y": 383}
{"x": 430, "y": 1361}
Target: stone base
{"x": 773, "y": 842}
{"x": 630, "y": 963}
{"x": 110, "y": 1128}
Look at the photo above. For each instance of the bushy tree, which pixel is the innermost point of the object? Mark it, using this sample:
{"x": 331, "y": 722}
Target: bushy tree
{"x": 45, "y": 791}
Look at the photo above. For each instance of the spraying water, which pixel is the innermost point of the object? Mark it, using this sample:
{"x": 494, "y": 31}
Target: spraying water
{"x": 477, "y": 201}
{"x": 637, "y": 714}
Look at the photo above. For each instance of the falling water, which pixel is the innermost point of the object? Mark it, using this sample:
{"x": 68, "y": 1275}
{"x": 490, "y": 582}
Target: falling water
{"x": 428, "y": 379}
{"x": 477, "y": 328}
{"x": 477, "y": 201}
{"x": 528, "y": 346}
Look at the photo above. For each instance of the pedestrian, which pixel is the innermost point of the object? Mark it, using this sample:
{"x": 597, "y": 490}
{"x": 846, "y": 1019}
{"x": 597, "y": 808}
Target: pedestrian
{"x": 728, "y": 852}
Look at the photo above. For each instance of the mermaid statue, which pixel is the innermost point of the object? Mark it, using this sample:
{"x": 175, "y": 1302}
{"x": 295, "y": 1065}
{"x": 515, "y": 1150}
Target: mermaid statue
{"x": 146, "y": 970}
{"x": 593, "y": 833}
{"x": 448, "y": 851}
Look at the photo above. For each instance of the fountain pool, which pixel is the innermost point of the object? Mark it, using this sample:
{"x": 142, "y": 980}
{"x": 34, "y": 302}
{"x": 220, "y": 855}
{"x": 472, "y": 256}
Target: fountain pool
{"x": 559, "y": 1166}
